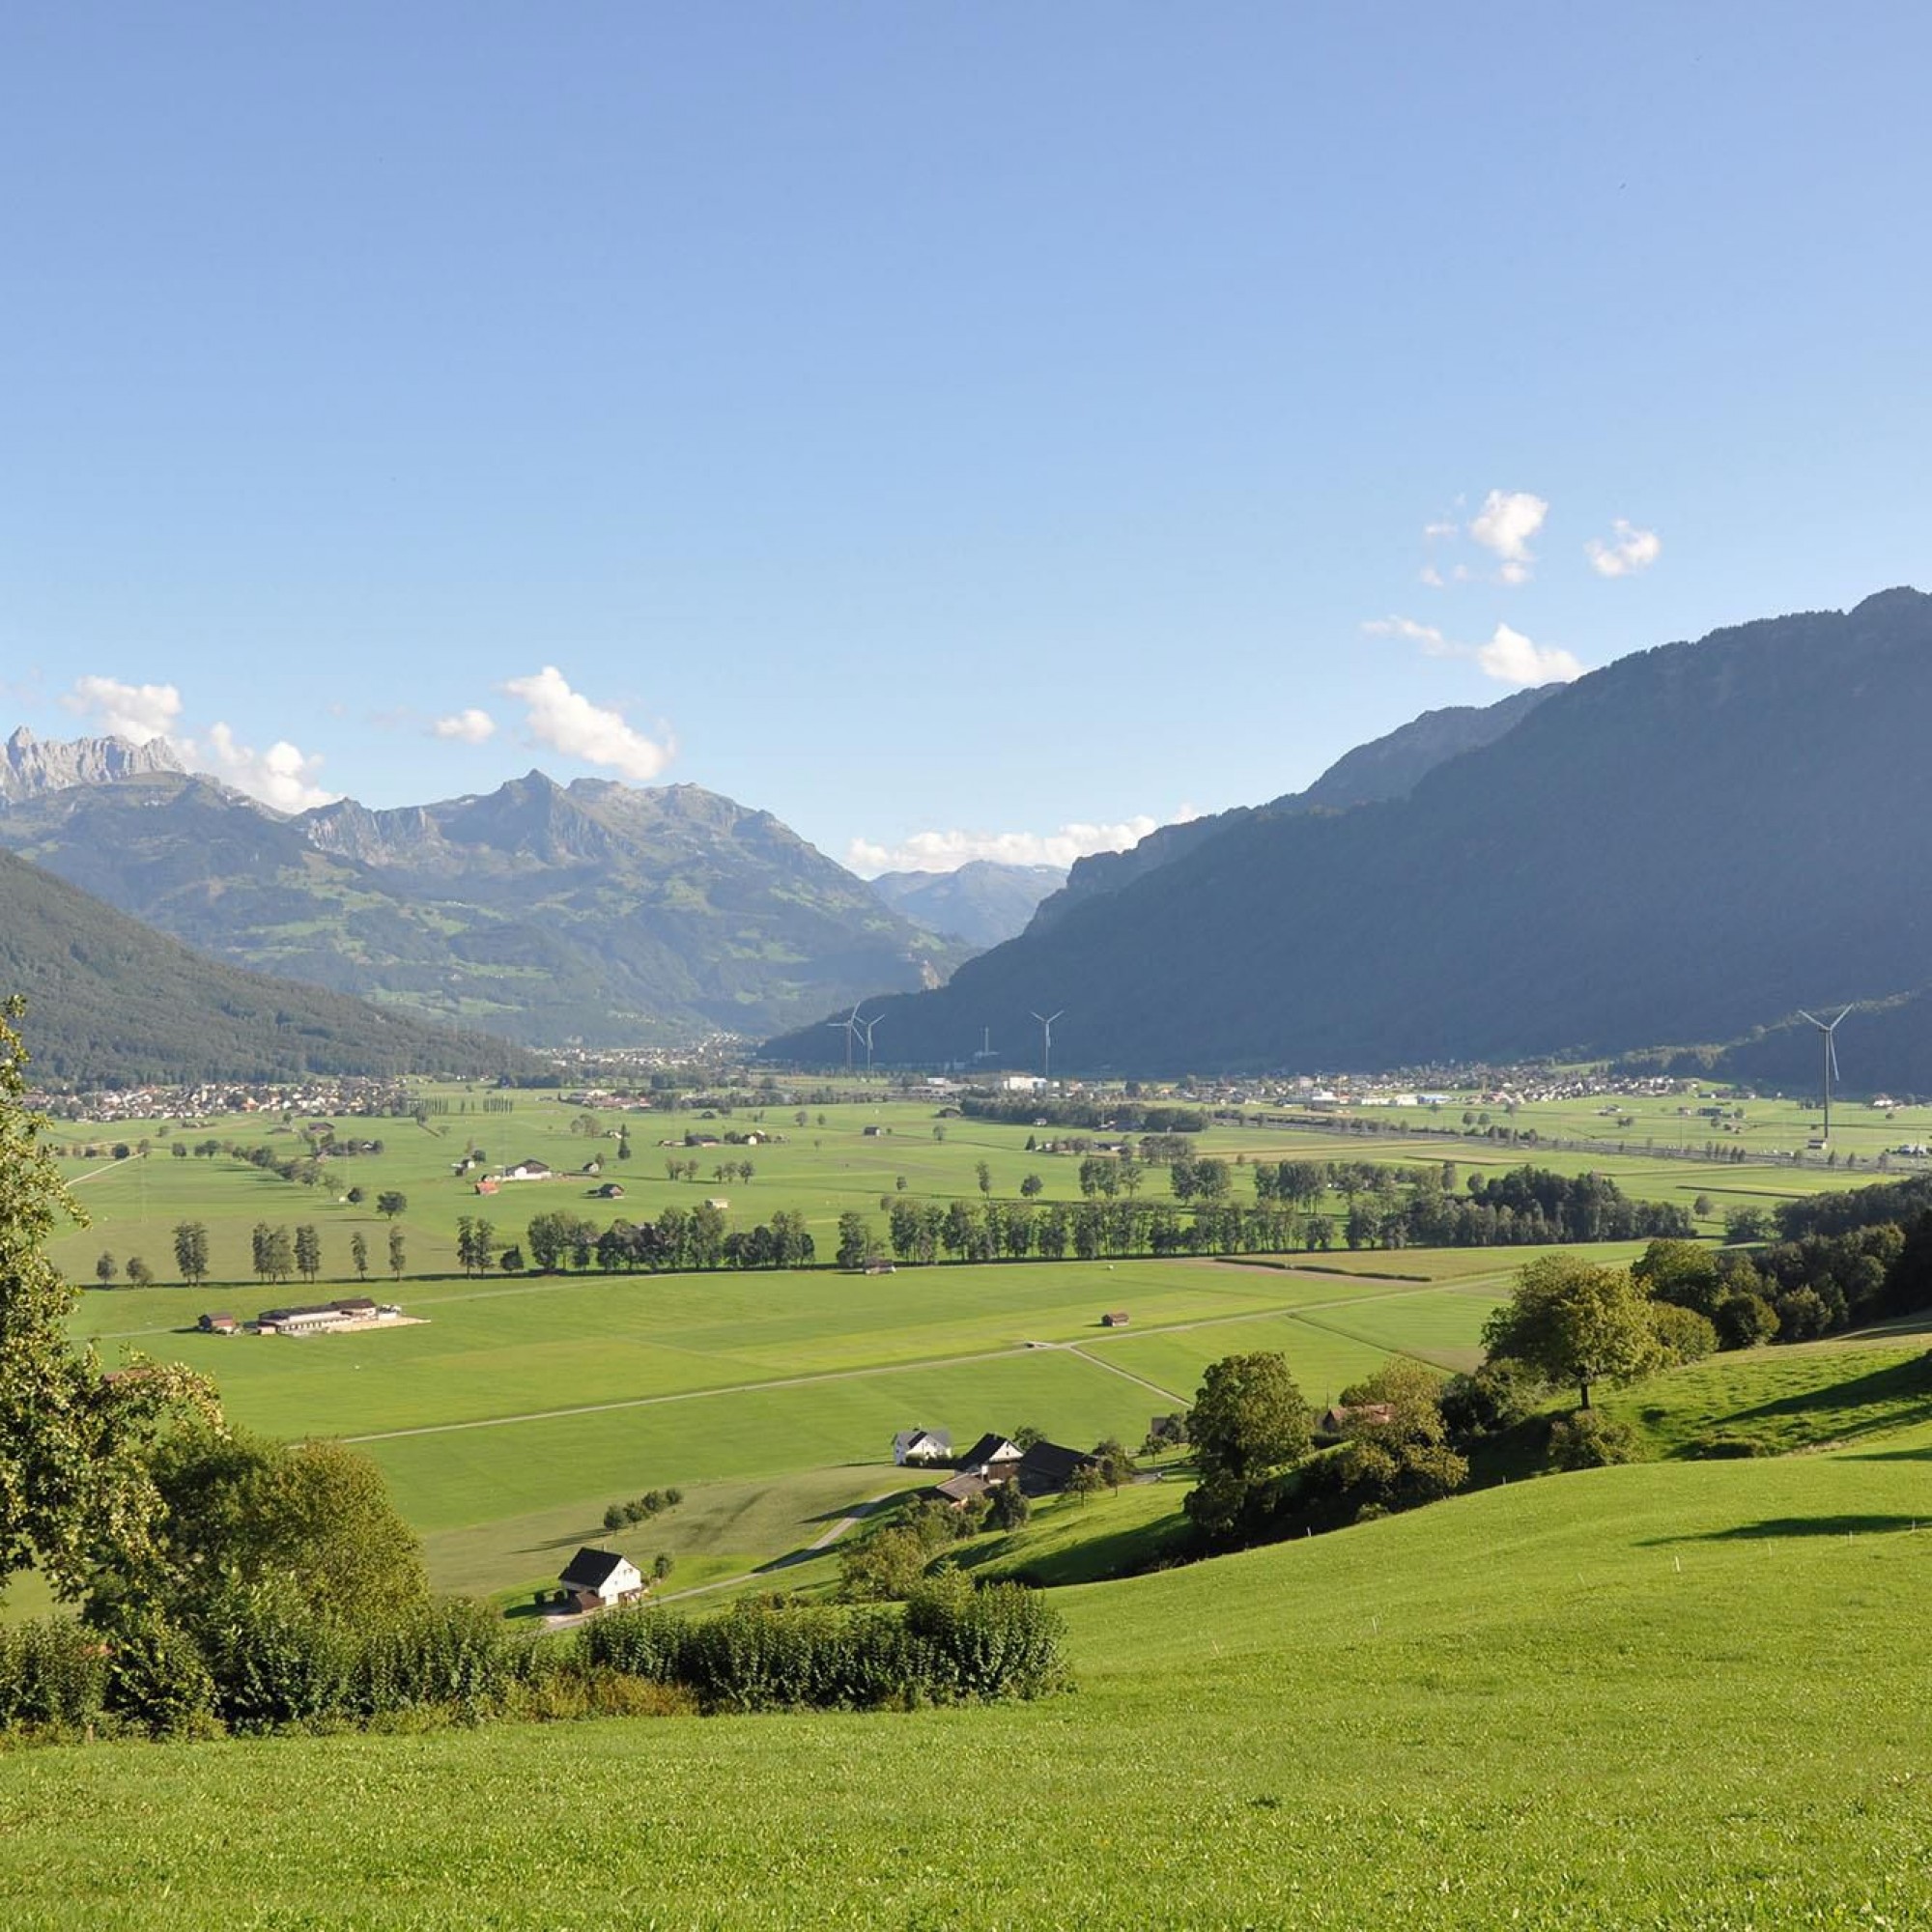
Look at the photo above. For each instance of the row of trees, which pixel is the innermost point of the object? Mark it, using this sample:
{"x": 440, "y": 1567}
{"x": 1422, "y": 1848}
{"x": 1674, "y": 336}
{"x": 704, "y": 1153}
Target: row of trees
{"x": 275, "y": 1253}
{"x": 696, "y": 1237}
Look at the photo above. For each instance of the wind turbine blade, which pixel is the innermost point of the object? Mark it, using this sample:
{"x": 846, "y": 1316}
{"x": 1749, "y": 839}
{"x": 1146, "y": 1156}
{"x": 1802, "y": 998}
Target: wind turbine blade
{"x": 1841, "y": 1016}
{"x": 1832, "y": 1052}
{"x": 1812, "y": 1017}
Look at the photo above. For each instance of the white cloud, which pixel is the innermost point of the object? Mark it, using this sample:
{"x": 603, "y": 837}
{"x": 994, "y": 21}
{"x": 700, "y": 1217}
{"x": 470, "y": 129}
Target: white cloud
{"x": 567, "y": 722}
{"x": 1434, "y": 644}
{"x": 1431, "y": 532}
{"x": 1629, "y": 551}
{"x": 1432, "y": 577}
{"x": 1510, "y": 658}
{"x": 947, "y": 851}
{"x": 1504, "y": 526}
{"x": 283, "y": 776}
{"x": 137, "y": 712}
{"x": 470, "y": 726}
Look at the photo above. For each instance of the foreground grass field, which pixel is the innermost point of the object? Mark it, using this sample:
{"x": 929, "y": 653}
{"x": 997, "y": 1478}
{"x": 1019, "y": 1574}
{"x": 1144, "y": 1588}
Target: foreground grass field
{"x": 1685, "y": 1695}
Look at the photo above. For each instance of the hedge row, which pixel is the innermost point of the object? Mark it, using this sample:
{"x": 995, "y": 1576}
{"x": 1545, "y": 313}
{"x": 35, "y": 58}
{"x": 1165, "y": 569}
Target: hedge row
{"x": 953, "y": 1642}
{"x": 264, "y": 1661}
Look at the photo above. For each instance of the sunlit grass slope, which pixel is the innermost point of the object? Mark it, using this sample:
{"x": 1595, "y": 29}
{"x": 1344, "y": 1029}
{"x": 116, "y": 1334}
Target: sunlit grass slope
{"x": 1683, "y": 1694}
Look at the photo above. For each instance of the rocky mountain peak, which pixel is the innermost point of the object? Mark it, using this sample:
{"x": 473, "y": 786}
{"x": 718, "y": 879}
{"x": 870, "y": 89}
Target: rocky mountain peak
{"x": 30, "y": 766}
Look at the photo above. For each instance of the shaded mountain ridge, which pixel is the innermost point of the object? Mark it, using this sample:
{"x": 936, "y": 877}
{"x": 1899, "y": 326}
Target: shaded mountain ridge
{"x": 1387, "y": 767}
{"x": 1676, "y": 847}
{"x": 112, "y": 1002}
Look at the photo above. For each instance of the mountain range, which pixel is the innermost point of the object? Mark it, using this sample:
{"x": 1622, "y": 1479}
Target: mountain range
{"x": 1682, "y": 847}
{"x": 548, "y": 913}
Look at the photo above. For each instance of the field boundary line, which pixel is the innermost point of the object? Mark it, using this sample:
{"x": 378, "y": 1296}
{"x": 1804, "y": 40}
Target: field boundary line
{"x": 1114, "y": 1368}
{"x": 690, "y": 1395}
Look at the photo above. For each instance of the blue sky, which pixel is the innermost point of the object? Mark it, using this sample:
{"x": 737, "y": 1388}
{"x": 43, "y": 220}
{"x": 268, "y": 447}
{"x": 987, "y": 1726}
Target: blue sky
{"x": 942, "y": 425}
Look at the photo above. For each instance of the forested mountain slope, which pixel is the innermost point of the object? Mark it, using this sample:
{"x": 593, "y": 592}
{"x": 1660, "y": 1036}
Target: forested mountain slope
{"x": 112, "y": 1002}
{"x": 1684, "y": 845}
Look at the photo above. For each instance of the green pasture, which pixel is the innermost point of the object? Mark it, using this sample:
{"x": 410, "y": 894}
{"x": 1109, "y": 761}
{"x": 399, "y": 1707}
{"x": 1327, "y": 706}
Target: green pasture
{"x": 513, "y": 1411}
{"x": 1768, "y": 1128}
{"x": 722, "y": 1531}
{"x": 1681, "y": 1695}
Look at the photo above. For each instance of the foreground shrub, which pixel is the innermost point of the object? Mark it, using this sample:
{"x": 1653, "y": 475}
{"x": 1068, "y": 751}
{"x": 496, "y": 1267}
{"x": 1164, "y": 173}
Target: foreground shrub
{"x": 951, "y": 1642}
{"x": 1001, "y": 1640}
{"x": 1721, "y": 1448}
{"x": 1590, "y": 1439}
{"x": 156, "y": 1676}
{"x": 1496, "y": 1397}
{"x": 454, "y": 1655}
{"x": 1685, "y": 1335}
{"x": 54, "y": 1676}
{"x": 275, "y": 1660}
{"x": 645, "y": 1642}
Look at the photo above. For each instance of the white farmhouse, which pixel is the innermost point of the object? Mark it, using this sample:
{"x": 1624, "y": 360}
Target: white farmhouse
{"x": 921, "y": 1445}
{"x": 595, "y": 1578}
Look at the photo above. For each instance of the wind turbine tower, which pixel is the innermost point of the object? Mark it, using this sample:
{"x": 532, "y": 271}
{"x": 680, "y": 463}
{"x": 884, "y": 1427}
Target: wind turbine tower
{"x": 849, "y": 1026}
{"x": 865, "y": 1027}
{"x": 1047, "y": 1021}
{"x": 1828, "y": 1034}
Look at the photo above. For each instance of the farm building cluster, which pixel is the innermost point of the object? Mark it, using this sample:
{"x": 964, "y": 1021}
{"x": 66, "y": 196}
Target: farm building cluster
{"x": 1042, "y": 1469}
{"x": 319, "y": 1318}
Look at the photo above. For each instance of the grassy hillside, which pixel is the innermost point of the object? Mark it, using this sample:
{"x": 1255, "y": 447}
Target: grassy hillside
{"x": 1677, "y": 1695}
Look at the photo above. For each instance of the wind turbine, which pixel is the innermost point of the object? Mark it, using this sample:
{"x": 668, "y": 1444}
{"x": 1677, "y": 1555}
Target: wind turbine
{"x": 849, "y": 1026}
{"x": 865, "y": 1027}
{"x": 1047, "y": 1021}
{"x": 1827, "y": 1030}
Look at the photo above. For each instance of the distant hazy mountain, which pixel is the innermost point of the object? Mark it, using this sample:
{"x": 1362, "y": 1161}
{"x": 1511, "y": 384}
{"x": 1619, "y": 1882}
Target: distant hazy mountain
{"x": 30, "y": 766}
{"x": 1387, "y": 767}
{"x": 982, "y": 903}
{"x": 112, "y": 1002}
{"x": 541, "y": 912}
{"x": 1671, "y": 848}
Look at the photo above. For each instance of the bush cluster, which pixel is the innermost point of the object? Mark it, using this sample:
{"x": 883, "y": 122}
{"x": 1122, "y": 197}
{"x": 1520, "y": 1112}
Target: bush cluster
{"x": 641, "y": 1509}
{"x": 268, "y": 1661}
{"x": 953, "y": 1642}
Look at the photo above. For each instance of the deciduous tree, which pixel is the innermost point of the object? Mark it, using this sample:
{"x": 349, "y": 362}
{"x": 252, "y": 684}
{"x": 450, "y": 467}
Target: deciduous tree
{"x": 1575, "y": 1322}
{"x": 1249, "y": 1423}
{"x": 74, "y": 1443}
